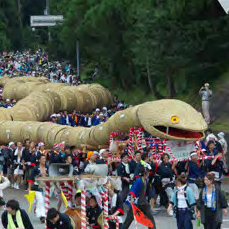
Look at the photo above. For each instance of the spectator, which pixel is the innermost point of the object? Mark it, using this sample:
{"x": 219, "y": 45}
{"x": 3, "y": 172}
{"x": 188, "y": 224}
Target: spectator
{"x": 8, "y": 104}
{"x": 68, "y": 119}
{"x": 206, "y": 94}
{"x": 99, "y": 120}
{"x": 222, "y": 141}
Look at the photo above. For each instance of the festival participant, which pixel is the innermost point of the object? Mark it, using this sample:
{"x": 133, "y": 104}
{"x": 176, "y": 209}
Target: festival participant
{"x": 212, "y": 204}
{"x": 123, "y": 171}
{"x": 143, "y": 163}
{"x": 167, "y": 179}
{"x": 25, "y": 158}
{"x": 9, "y": 161}
{"x": 54, "y": 156}
{"x": 41, "y": 149}
{"x": 211, "y": 150}
{"x": 183, "y": 202}
{"x": 137, "y": 196}
{"x": 218, "y": 167}
{"x": 61, "y": 152}
{"x": 91, "y": 160}
{"x": 104, "y": 159}
{"x": 15, "y": 217}
{"x": 134, "y": 162}
{"x": 93, "y": 213}
{"x": 57, "y": 220}
{"x": 195, "y": 173}
{"x": 115, "y": 206}
{"x": 40, "y": 170}
{"x": 76, "y": 158}
{"x": 4, "y": 183}
{"x": 78, "y": 199}
{"x": 18, "y": 165}
{"x": 218, "y": 147}
{"x": 154, "y": 183}
{"x": 68, "y": 160}
{"x": 30, "y": 161}
{"x": 179, "y": 167}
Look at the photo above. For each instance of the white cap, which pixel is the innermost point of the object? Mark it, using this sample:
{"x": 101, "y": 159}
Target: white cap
{"x": 211, "y": 136}
{"x": 104, "y": 108}
{"x": 102, "y": 151}
{"x": 97, "y": 110}
{"x": 11, "y": 143}
{"x": 221, "y": 134}
{"x": 53, "y": 116}
{"x": 7, "y": 100}
{"x": 95, "y": 152}
{"x": 58, "y": 115}
{"x": 40, "y": 144}
{"x": 101, "y": 114}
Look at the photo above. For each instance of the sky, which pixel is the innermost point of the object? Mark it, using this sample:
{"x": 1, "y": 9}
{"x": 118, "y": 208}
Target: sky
{"x": 225, "y": 5}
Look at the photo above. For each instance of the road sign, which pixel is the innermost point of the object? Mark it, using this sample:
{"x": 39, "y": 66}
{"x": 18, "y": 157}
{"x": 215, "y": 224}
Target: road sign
{"x": 45, "y": 20}
{"x": 225, "y": 5}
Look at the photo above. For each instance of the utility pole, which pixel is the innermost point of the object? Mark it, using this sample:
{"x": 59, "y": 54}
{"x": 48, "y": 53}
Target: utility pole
{"x": 78, "y": 59}
{"x": 46, "y": 12}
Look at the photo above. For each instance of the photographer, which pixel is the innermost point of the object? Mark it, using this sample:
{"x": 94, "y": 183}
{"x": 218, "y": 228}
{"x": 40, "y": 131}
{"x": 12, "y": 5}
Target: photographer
{"x": 205, "y": 94}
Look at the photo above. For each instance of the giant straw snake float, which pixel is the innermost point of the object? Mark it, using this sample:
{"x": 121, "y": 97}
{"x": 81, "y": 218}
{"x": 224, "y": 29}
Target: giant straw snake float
{"x": 38, "y": 99}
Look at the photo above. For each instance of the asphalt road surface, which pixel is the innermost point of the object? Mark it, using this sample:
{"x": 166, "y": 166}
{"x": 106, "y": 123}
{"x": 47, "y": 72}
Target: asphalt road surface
{"x": 162, "y": 220}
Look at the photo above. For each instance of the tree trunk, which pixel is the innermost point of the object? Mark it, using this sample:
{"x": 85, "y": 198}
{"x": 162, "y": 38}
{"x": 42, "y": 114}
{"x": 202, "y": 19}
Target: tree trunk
{"x": 152, "y": 86}
{"x": 149, "y": 77}
{"x": 170, "y": 81}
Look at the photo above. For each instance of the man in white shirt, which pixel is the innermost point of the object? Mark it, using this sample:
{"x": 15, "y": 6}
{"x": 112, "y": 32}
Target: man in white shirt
{"x": 206, "y": 94}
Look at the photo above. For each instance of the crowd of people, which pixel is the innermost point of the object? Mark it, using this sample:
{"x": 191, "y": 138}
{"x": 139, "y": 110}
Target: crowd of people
{"x": 188, "y": 189}
{"x": 37, "y": 64}
{"x": 89, "y": 119}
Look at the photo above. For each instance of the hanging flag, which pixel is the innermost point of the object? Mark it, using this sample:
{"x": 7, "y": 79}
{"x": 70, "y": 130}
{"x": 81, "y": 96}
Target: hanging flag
{"x": 30, "y": 197}
{"x": 64, "y": 199}
{"x": 140, "y": 217}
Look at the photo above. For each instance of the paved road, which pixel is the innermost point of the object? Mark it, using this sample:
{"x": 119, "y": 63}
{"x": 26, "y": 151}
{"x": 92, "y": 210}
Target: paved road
{"x": 162, "y": 220}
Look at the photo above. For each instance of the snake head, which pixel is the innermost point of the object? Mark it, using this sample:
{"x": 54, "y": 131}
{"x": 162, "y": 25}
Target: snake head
{"x": 172, "y": 119}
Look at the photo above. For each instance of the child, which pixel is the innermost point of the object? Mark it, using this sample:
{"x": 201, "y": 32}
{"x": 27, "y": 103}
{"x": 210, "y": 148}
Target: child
{"x": 93, "y": 213}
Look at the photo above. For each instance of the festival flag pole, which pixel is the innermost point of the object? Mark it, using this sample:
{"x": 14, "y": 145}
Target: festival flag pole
{"x": 135, "y": 223}
{"x": 83, "y": 209}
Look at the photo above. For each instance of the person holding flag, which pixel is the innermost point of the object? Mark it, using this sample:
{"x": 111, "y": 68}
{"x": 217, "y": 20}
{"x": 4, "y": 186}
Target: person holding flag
{"x": 140, "y": 209}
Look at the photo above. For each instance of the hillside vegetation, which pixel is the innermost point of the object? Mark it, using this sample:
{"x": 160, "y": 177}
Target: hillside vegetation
{"x": 143, "y": 49}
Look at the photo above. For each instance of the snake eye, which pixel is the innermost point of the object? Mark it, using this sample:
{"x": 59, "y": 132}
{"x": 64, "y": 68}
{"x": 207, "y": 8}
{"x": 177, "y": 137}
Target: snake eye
{"x": 174, "y": 119}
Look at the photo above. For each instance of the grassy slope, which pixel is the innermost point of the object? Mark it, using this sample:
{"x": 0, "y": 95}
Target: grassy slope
{"x": 221, "y": 124}
{"x": 137, "y": 95}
